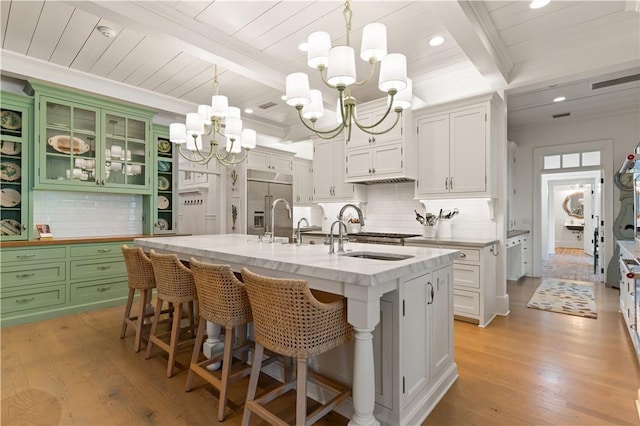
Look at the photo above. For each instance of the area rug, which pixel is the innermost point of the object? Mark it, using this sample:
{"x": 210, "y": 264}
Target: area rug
{"x": 565, "y": 297}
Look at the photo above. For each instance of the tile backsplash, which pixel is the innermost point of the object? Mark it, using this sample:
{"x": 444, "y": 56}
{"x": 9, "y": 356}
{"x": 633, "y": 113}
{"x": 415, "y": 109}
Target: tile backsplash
{"x": 390, "y": 208}
{"x": 81, "y": 214}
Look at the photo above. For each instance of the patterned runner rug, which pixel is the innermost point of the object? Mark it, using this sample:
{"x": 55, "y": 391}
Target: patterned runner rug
{"x": 565, "y": 297}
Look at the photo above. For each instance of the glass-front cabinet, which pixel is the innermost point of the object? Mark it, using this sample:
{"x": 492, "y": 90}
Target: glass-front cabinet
{"x": 16, "y": 113}
{"x": 89, "y": 144}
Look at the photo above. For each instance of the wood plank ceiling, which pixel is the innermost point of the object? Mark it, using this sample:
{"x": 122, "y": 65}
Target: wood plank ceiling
{"x": 164, "y": 52}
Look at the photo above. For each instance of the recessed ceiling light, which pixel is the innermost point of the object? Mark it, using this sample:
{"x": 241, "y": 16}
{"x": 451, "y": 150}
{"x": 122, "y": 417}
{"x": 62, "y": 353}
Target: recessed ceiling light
{"x": 248, "y": 110}
{"x": 303, "y": 46}
{"x": 537, "y": 4}
{"x": 559, "y": 99}
{"x": 436, "y": 41}
{"x": 106, "y": 31}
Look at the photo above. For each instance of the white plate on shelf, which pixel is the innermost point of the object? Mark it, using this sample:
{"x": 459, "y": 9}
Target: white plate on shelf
{"x": 10, "y": 120}
{"x": 9, "y": 197}
{"x": 10, "y": 172}
{"x": 63, "y": 144}
{"x": 163, "y": 183}
{"x": 10, "y": 148}
{"x": 163, "y": 225}
{"x": 163, "y": 202}
{"x": 9, "y": 227}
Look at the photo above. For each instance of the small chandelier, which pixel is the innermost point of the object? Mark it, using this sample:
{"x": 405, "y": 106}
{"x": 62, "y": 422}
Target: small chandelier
{"x": 340, "y": 67}
{"x": 215, "y": 120}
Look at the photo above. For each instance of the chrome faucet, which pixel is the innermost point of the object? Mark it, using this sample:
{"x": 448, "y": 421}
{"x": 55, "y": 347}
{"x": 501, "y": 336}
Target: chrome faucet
{"x": 298, "y": 232}
{"x": 273, "y": 216}
{"x": 358, "y": 210}
{"x": 341, "y": 226}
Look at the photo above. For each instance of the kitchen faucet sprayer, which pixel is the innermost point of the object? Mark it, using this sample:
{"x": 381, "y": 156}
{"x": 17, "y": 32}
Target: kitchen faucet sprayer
{"x": 273, "y": 217}
{"x": 358, "y": 210}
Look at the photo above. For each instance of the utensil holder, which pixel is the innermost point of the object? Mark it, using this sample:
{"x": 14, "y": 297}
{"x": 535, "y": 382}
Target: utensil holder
{"x": 444, "y": 228}
{"x": 429, "y": 231}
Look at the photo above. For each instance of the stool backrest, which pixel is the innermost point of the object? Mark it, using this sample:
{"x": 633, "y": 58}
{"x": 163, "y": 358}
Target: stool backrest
{"x": 139, "y": 268}
{"x": 289, "y": 320}
{"x": 174, "y": 281}
{"x": 222, "y": 298}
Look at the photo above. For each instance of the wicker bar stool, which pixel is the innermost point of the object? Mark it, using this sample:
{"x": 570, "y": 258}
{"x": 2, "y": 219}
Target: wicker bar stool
{"x": 175, "y": 285}
{"x": 289, "y": 320}
{"x": 141, "y": 278}
{"x": 222, "y": 299}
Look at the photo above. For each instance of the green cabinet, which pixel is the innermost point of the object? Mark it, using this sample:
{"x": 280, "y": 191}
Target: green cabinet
{"x": 16, "y": 135}
{"x": 46, "y": 282}
{"x": 86, "y": 143}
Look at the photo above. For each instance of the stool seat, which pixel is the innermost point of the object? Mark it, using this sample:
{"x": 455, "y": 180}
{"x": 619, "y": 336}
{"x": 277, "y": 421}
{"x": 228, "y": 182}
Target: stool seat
{"x": 289, "y": 320}
{"x": 174, "y": 284}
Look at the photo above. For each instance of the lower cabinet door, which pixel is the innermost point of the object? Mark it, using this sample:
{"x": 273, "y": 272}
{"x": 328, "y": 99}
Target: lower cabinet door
{"x": 29, "y": 298}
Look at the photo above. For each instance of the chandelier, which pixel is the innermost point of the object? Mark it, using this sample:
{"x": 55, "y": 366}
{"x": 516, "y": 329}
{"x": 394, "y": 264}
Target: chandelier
{"x": 338, "y": 71}
{"x": 215, "y": 120}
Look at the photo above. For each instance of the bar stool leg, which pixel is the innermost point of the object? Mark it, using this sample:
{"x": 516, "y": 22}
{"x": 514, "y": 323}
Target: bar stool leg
{"x": 140, "y": 320}
{"x": 301, "y": 392}
{"x": 175, "y": 331}
{"x": 127, "y": 312}
{"x": 196, "y": 352}
{"x": 253, "y": 381}
{"x": 227, "y": 361}
{"x": 154, "y": 327}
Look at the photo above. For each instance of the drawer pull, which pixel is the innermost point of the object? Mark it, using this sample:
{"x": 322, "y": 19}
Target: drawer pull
{"x": 23, "y": 301}
{"x": 104, "y": 250}
{"x": 25, "y": 256}
{"x": 103, "y": 289}
{"x": 24, "y": 275}
{"x": 102, "y": 268}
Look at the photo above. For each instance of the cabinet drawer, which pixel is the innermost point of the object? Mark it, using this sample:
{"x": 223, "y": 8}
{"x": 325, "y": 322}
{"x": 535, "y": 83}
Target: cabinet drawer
{"x": 97, "y": 250}
{"x": 18, "y": 275}
{"x": 40, "y": 254}
{"x": 95, "y": 291}
{"x": 466, "y": 302}
{"x": 37, "y": 298}
{"x": 97, "y": 268}
{"x": 469, "y": 255}
{"x": 466, "y": 276}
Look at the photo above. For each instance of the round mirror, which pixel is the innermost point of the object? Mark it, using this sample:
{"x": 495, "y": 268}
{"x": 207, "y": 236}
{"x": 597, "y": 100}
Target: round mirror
{"x": 574, "y": 205}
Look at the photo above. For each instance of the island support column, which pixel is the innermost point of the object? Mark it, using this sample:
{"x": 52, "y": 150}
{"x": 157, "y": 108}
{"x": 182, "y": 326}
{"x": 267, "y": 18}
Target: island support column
{"x": 363, "y": 315}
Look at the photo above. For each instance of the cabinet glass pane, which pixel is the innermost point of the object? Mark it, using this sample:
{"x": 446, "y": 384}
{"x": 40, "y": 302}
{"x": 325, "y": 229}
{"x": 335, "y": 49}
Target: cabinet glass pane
{"x": 11, "y": 123}
{"x": 125, "y": 148}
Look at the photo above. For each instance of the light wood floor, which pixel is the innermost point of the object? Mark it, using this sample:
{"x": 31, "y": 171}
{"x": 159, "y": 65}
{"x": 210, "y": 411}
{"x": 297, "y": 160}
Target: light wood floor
{"x": 531, "y": 367}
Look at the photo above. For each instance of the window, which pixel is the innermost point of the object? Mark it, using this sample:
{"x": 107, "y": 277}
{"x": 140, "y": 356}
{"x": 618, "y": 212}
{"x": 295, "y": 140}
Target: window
{"x": 572, "y": 160}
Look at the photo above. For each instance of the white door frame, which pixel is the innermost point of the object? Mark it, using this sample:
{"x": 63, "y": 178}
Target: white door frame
{"x": 605, "y": 147}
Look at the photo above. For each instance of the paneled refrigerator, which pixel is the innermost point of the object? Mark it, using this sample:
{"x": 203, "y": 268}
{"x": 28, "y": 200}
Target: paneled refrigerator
{"x": 262, "y": 189}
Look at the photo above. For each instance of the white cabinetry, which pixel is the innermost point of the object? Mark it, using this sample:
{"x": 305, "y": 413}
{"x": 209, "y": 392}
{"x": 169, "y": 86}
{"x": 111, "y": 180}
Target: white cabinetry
{"x": 328, "y": 173}
{"x": 474, "y": 281}
{"x": 455, "y": 149}
{"x": 302, "y": 181}
{"x": 188, "y": 166}
{"x": 517, "y": 257}
{"x": 389, "y": 156}
{"x": 271, "y": 161}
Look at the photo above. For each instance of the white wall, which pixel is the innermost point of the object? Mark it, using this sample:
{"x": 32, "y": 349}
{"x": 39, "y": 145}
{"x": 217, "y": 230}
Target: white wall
{"x": 84, "y": 214}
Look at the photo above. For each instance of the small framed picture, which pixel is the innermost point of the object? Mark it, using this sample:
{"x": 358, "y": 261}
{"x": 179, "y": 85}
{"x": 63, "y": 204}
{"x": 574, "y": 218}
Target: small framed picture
{"x": 44, "y": 231}
{"x": 200, "y": 178}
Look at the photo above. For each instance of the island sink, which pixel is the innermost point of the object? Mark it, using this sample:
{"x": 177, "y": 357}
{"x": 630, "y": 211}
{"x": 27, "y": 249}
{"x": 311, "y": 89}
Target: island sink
{"x": 376, "y": 255}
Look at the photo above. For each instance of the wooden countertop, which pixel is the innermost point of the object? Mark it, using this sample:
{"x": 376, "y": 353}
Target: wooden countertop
{"x": 78, "y": 240}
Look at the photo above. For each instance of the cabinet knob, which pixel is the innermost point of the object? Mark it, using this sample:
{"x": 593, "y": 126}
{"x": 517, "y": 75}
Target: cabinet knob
{"x": 451, "y": 182}
{"x": 373, "y": 139}
{"x": 369, "y": 171}
{"x": 446, "y": 183}
{"x": 373, "y": 171}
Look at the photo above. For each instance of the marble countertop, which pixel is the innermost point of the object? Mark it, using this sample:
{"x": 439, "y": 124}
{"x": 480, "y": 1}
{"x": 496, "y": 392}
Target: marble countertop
{"x": 516, "y": 233}
{"x": 307, "y": 260}
{"x": 631, "y": 248}
{"x": 453, "y": 241}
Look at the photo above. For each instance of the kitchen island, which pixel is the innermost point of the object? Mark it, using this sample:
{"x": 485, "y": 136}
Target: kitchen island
{"x": 401, "y": 361}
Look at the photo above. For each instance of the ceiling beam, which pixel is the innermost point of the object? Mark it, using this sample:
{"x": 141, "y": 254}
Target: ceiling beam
{"x": 471, "y": 26}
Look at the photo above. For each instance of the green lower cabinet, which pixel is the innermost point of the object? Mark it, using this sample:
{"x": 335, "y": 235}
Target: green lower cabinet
{"x": 47, "y": 282}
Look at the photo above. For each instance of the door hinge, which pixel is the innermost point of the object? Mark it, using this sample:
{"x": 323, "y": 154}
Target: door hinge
{"x": 403, "y": 310}
{"x": 417, "y": 130}
{"x": 403, "y": 384}
{"x": 602, "y": 239}
{"x": 602, "y": 223}
{"x": 601, "y": 180}
{"x": 602, "y": 270}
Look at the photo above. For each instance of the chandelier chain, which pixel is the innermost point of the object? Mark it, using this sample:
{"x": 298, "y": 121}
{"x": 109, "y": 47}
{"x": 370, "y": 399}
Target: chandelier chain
{"x": 347, "y": 19}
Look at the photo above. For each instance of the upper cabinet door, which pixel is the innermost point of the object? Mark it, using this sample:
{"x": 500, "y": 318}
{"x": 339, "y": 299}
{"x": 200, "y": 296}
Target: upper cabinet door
{"x": 433, "y": 155}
